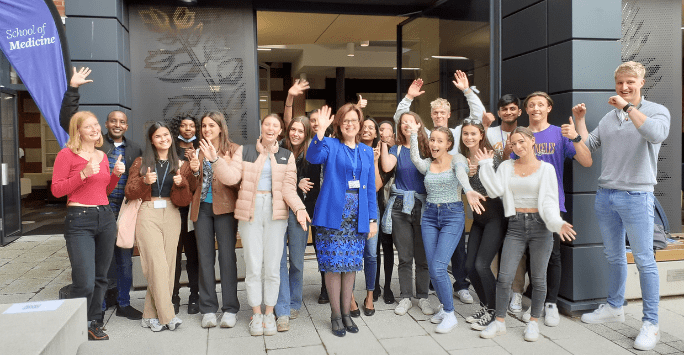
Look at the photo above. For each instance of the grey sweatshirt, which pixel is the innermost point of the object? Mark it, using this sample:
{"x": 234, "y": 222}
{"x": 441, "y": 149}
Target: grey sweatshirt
{"x": 630, "y": 155}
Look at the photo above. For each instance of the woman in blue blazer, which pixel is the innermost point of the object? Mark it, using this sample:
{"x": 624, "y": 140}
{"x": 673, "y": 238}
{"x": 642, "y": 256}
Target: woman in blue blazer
{"x": 346, "y": 209}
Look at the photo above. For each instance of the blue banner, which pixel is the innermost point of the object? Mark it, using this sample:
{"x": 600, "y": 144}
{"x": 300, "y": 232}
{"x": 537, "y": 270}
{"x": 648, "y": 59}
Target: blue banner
{"x": 32, "y": 38}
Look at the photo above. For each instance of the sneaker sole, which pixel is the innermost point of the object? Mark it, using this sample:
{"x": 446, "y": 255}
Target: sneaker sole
{"x": 646, "y": 348}
{"x": 209, "y": 325}
{"x": 92, "y": 336}
{"x": 255, "y": 333}
{"x": 270, "y": 332}
{"x": 228, "y": 325}
{"x": 552, "y": 324}
{"x": 591, "y": 321}
{"x": 174, "y": 327}
{"x": 531, "y": 339}
{"x": 445, "y": 331}
{"x": 428, "y": 313}
{"x": 435, "y": 321}
{"x": 476, "y": 326}
{"x": 492, "y": 336}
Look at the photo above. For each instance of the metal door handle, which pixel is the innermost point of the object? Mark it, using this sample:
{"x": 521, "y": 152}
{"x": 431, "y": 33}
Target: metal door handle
{"x": 5, "y": 177}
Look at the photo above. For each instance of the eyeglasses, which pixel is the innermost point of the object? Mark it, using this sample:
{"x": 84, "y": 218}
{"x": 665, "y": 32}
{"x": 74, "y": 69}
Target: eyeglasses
{"x": 472, "y": 121}
{"x": 350, "y": 122}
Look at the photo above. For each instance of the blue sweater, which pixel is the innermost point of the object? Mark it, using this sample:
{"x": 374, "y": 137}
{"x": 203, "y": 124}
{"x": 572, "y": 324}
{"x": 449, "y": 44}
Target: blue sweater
{"x": 330, "y": 203}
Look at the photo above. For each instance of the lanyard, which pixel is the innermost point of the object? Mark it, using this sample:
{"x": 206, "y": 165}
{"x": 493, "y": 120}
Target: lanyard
{"x": 353, "y": 161}
{"x": 159, "y": 187}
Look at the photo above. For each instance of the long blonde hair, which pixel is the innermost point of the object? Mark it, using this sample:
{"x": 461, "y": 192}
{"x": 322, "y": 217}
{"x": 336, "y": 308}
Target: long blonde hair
{"x": 74, "y": 143}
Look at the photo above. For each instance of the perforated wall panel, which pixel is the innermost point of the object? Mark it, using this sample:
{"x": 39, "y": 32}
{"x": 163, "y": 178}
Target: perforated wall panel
{"x": 651, "y": 35}
{"x": 187, "y": 61}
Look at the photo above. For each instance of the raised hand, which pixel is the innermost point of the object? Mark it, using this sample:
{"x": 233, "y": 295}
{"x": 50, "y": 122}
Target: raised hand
{"x": 151, "y": 177}
{"x": 579, "y": 111}
{"x": 567, "y": 233}
{"x": 472, "y": 167}
{"x": 508, "y": 148}
{"x": 389, "y": 140}
{"x": 92, "y": 168}
{"x": 376, "y": 153}
{"x": 305, "y": 184}
{"x": 474, "y": 198}
{"x": 414, "y": 90}
{"x": 298, "y": 87}
{"x": 194, "y": 162}
{"x": 487, "y": 119}
{"x": 568, "y": 130}
{"x": 617, "y": 101}
{"x": 483, "y": 154}
{"x": 178, "y": 178}
{"x": 208, "y": 150}
{"x": 362, "y": 102}
{"x": 79, "y": 77}
{"x": 119, "y": 166}
{"x": 461, "y": 80}
{"x": 302, "y": 218}
{"x": 412, "y": 125}
{"x": 324, "y": 119}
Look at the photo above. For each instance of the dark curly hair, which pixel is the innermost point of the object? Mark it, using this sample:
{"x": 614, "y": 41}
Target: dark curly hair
{"x": 175, "y": 123}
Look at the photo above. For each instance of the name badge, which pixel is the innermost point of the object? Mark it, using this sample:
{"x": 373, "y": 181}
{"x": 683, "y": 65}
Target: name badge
{"x": 354, "y": 184}
{"x": 159, "y": 203}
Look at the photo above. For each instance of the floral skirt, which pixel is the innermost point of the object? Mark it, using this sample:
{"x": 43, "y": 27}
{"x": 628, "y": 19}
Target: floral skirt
{"x": 341, "y": 250}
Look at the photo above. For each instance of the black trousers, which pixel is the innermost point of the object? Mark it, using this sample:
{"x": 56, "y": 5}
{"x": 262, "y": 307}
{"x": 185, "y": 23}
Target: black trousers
{"x": 188, "y": 242}
{"x": 90, "y": 234}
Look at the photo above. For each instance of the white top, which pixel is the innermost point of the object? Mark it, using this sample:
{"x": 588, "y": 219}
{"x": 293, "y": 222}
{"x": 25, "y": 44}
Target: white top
{"x": 497, "y": 138}
{"x": 525, "y": 189}
{"x": 498, "y": 184}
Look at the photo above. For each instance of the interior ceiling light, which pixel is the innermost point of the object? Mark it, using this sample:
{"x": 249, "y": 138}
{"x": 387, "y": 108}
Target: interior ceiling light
{"x": 395, "y": 68}
{"x": 365, "y": 43}
{"x": 350, "y": 49}
{"x": 263, "y": 49}
{"x": 449, "y": 57}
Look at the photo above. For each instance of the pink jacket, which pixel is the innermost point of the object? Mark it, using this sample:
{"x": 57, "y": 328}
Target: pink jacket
{"x": 245, "y": 168}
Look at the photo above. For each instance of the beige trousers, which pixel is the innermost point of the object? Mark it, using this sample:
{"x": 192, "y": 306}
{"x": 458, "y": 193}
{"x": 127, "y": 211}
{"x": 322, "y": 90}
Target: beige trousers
{"x": 156, "y": 232}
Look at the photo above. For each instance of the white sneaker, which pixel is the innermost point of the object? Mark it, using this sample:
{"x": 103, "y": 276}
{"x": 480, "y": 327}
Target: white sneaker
{"x": 464, "y": 296}
{"x": 425, "y": 306}
{"x": 228, "y": 320}
{"x": 152, "y": 323}
{"x": 209, "y": 320}
{"x": 551, "y": 317}
{"x": 270, "y": 327}
{"x": 475, "y": 317}
{"x": 437, "y": 318}
{"x": 484, "y": 321}
{"x": 603, "y": 314}
{"x": 174, "y": 323}
{"x": 404, "y": 306}
{"x": 516, "y": 303}
{"x": 493, "y": 329}
{"x": 527, "y": 315}
{"x": 532, "y": 331}
{"x": 448, "y": 323}
{"x": 256, "y": 326}
{"x": 648, "y": 337}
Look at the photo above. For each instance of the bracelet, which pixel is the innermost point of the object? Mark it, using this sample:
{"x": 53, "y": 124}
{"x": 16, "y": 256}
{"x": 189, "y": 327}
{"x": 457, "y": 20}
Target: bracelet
{"x": 627, "y": 107}
{"x": 630, "y": 109}
{"x": 196, "y": 173}
{"x": 372, "y": 221}
{"x": 288, "y": 105}
{"x": 214, "y": 161}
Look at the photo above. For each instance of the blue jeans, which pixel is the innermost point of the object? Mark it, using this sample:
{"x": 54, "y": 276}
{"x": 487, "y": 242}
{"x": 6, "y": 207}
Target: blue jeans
{"x": 370, "y": 262}
{"x": 442, "y": 228}
{"x": 290, "y": 293}
{"x": 619, "y": 212}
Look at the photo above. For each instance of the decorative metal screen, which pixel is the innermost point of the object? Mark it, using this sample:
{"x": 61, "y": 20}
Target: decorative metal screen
{"x": 651, "y": 35}
{"x": 186, "y": 61}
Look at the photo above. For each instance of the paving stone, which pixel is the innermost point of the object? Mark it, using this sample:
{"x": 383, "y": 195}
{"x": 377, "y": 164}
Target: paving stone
{"x": 490, "y": 350}
{"x": 304, "y": 350}
{"x": 461, "y": 337}
{"x": 302, "y": 333}
{"x": 662, "y": 348}
{"x": 412, "y": 345}
{"x": 590, "y": 345}
{"x": 362, "y": 343}
{"x": 386, "y": 324}
{"x": 23, "y": 285}
{"x": 15, "y": 268}
{"x": 514, "y": 343}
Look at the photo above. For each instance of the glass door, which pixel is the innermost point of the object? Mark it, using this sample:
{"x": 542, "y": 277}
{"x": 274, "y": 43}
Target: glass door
{"x": 10, "y": 189}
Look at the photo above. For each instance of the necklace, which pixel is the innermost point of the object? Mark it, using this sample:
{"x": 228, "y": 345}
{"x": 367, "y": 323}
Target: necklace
{"x": 163, "y": 162}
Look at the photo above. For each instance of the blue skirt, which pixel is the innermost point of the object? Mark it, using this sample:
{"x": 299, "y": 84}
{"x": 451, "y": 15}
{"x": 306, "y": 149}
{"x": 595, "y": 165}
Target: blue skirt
{"x": 341, "y": 250}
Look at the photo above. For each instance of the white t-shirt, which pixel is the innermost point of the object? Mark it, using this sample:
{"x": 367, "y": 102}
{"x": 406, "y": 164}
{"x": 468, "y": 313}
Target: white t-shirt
{"x": 496, "y": 137}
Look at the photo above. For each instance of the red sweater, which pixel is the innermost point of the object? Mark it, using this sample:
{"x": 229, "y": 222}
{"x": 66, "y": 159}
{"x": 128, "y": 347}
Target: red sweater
{"x": 66, "y": 180}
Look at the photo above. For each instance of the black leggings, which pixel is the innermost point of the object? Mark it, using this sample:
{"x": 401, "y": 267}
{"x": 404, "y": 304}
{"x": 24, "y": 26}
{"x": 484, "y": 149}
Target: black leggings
{"x": 388, "y": 253}
{"x": 188, "y": 243}
{"x": 484, "y": 242}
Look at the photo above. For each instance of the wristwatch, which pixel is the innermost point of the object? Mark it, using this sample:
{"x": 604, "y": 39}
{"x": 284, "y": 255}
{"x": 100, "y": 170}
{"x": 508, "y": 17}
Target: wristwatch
{"x": 629, "y": 104}
{"x": 577, "y": 139}
{"x": 372, "y": 221}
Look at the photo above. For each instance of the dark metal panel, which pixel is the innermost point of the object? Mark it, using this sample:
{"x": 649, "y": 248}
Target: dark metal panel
{"x": 94, "y": 39}
{"x": 525, "y": 74}
{"x": 105, "y": 88}
{"x": 585, "y": 273}
{"x": 583, "y": 19}
{"x": 571, "y": 68}
{"x": 510, "y": 6}
{"x": 91, "y": 8}
{"x": 582, "y": 216}
{"x": 524, "y": 31}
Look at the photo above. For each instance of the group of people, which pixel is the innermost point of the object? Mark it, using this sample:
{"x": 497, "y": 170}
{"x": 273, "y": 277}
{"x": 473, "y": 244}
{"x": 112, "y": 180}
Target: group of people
{"x": 355, "y": 186}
